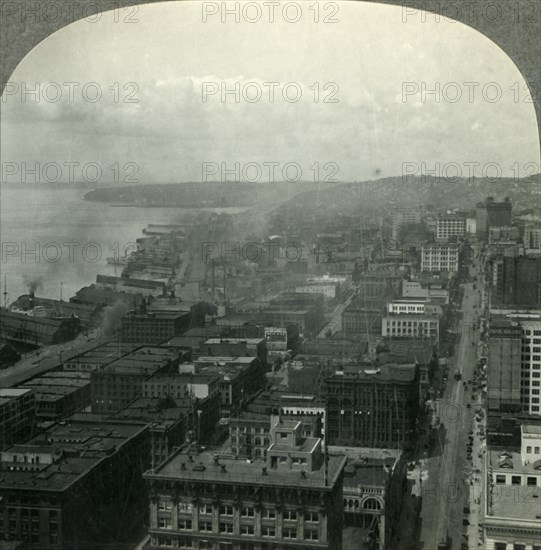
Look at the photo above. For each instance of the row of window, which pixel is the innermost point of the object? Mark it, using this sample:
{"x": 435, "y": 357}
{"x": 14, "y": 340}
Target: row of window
{"x": 248, "y": 429}
{"x": 247, "y": 440}
{"x": 531, "y": 481}
{"x": 245, "y": 512}
{"x": 168, "y": 542}
{"x": 528, "y": 382}
{"x": 516, "y": 546}
{"x": 226, "y": 528}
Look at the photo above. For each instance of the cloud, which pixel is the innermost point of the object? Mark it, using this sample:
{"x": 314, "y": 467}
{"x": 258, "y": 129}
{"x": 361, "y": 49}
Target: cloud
{"x": 170, "y": 131}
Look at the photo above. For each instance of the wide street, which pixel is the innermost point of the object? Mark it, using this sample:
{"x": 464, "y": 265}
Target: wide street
{"x": 445, "y": 489}
{"x": 48, "y": 358}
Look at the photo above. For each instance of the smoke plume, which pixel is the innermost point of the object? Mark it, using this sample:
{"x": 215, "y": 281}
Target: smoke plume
{"x": 112, "y": 315}
{"x": 33, "y": 283}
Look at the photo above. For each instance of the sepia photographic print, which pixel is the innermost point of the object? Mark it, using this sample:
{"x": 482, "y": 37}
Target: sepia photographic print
{"x": 270, "y": 275}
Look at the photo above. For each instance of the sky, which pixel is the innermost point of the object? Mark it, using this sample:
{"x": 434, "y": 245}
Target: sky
{"x": 151, "y": 118}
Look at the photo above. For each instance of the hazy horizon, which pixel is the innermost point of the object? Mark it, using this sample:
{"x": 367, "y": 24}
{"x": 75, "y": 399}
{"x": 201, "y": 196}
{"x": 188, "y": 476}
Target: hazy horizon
{"x": 165, "y": 59}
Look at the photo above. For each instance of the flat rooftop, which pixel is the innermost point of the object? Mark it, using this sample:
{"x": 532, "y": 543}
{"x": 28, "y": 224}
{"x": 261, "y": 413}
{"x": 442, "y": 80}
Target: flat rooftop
{"x": 224, "y": 371}
{"x": 157, "y": 315}
{"x": 406, "y": 351}
{"x": 85, "y": 445}
{"x": 430, "y": 316}
{"x": 197, "y": 377}
{"x": 371, "y": 473}
{"x": 306, "y": 444}
{"x": 259, "y": 416}
{"x": 506, "y": 505}
{"x": 12, "y": 393}
{"x": 270, "y": 399}
{"x": 252, "y": 341}
{"x": 166, "y": 413}
{"x": 228, "y": 360}
{"x": 59, "y": 382}
{"x": 7, "y": 395}
{"x": 385, "y": 373}
{"x": 410, "y": 300}
{"x": 103, "y": 354}
{"x": 203, "y": 468}
{"x": 144, "y": 360}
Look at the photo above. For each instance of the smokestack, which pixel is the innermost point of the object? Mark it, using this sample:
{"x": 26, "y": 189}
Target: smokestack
{"x": 31, "y": 299}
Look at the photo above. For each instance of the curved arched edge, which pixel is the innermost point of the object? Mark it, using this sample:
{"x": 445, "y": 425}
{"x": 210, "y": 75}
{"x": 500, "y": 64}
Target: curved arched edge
{"x": 513, "y": 25}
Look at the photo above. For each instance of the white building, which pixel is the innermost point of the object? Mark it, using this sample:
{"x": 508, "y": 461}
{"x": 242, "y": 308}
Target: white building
{"x": 407, "y": 306}
{"x": 471, "y": 226}
{"x": 411, "y": 325}
{"x": 424, "y": 289}
{"x": 531, "y": 444}
{"x": 512, "y": 504}
{"x": 440, "y": 257}
{"x": 531, "y": 365}
{"x": 450, "y": 225}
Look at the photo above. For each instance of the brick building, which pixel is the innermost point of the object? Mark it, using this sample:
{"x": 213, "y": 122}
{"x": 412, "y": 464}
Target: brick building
{"x": 292, "y": 500}
{"x": 17, "y": 414}
{"x": 240, "y": 378}
{"x": 54, "y": 484}
{"x": 372, "y": 407}
{"x": 120, "y": 382}
{"x": 154, "y": 327}
{"x": 59, "y": 394}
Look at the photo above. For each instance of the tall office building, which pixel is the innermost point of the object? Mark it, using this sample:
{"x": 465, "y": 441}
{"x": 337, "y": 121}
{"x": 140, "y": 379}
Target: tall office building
{"x": 531, "y": 363}
{"x": 450, "y": 225}
{"x": 440, "y": 257}
{"x": 372, "y": 407}
{"x": 504, "y": 366}
{"x": 515, "y": 281}
{"x": 402, "y": 217}
{"x": 492, "y": 214}
{"x": 514, "y": 374}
